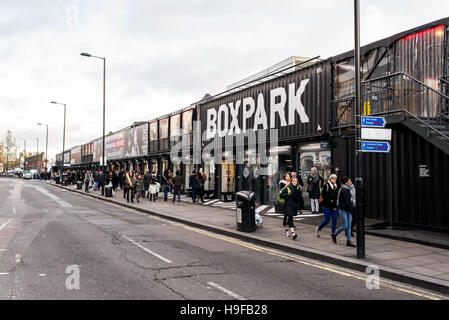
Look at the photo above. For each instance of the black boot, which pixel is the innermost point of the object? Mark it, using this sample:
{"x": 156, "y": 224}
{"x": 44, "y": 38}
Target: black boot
{"x": 350, "y": 244}
{"x": 334, "y": 238}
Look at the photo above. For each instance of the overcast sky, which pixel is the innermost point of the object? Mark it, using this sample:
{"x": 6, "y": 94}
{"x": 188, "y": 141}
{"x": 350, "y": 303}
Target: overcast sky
{"x": 162, "y": 55}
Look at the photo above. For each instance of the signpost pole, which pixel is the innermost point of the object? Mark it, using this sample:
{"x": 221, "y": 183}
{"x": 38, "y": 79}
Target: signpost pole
{"x": 358, "y": 139}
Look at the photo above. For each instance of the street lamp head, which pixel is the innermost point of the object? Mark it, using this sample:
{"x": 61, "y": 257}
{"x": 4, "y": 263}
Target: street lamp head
{"x": 86, "y": 54}
{"x": 54, "y": 102}
{"x": 39, "y": 124}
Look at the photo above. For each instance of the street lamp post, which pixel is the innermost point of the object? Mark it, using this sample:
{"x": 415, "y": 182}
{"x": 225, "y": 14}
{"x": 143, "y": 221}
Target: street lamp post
{"x": 104, "y": 109}
{"x": 358, "y": 138}
{"x": 46, "y": 148}
{"x": 63, "y": 135}
{"x": 37, "y": 153}
{"x": 24, "y": 154}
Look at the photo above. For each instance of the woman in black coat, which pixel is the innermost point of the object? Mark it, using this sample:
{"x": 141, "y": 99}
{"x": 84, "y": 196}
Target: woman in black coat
{"x": 293, "y": 202}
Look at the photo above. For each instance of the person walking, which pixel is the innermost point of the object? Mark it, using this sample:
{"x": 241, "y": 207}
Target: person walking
{"x": 87, "y": 181}
{"x": 315, "y": 183}
{"x": 200, "y": 187}
{"x": 127, "y": 187}
{"x": 345, "y": 205}
{"x": 96, "y": 180}
{"x": 354, "y": 216}
{"x": 293, "y": 202}
{"x": 192, "y": 184}
{"x": 177, "y": 184}
{"x": 146, "y": 183}
{"x": 165, "y": 182}
{"x": 329, "y": 194}
{"x": 138, "y": 187}
{"x": 282, "y": 184}
{"x": 153, "y": 189}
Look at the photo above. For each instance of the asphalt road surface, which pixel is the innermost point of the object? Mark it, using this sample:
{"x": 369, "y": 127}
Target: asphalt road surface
{"x": 55, "y": 244}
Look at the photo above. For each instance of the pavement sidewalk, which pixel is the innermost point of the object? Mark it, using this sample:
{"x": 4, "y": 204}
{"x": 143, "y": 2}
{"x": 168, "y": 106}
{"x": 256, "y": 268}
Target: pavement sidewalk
{"x": 406, "y": 262}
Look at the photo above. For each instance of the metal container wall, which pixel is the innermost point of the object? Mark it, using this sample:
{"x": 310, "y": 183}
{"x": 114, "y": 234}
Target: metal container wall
{"x": 316, "y": 100}
{"x": 394, "y": 189}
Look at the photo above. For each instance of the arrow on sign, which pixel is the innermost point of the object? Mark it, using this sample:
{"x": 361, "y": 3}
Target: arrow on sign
{"x": 372, "y": 146}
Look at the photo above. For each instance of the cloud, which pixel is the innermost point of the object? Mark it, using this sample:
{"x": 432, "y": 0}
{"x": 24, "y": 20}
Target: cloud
{"x": 161, "y": 55}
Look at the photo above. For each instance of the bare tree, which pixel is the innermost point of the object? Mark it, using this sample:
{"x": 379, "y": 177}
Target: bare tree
{"x": 9, "y": 148}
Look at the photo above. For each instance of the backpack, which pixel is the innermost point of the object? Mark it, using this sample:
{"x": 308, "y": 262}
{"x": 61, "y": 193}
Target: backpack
{"x": 281, "y": 201}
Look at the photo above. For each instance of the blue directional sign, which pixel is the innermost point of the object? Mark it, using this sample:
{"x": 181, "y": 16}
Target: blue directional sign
{"x": 372, "y": 146}
{"x": 374, "y": 122}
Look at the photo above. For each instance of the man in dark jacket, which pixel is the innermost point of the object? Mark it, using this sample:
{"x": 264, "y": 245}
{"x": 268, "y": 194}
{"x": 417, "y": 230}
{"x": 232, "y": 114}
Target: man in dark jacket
{"x": 146, "y": 183}
{"x": 192, "y": 184}
{"x": 345, "y": 204}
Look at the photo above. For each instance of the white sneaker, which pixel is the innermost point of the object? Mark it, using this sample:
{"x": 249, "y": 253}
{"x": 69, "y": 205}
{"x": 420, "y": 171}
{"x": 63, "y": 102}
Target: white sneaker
{"x": 287, "y": 234}
{"x": 294, "y": 236}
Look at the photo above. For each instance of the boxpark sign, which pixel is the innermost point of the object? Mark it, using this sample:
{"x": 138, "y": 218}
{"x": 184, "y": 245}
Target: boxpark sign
{"x": 232, "y": 118}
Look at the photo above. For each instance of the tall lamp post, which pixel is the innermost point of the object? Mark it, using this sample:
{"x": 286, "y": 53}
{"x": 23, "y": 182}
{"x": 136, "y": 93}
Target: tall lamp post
{"x": 104, "y": 108}
{"x": 358, "y": 138}
{"x": 46, "y": 148}
{"x": 63, "y": 135}
{"x": 37, "y": 153}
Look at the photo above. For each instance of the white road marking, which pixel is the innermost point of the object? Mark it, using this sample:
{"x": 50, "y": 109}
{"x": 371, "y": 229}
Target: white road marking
{"x": 261, "y": 208}
{"x": 18, "y": 258}
{"x": 228, "y": 292}
{"x": 42, "y": 275}
{"x": 4, "y": 273}
{"x": 14, "y": 210}
{"x": 64, "y": 204}
{"x": 272, "y": 210}
{"x": 5, "y": 224}
{"x": 211, "y": 202}
{"x": 147, "y": 250}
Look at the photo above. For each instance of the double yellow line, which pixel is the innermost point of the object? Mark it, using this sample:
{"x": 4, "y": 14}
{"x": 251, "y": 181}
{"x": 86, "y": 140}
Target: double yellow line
{"x": 343, "y": 272}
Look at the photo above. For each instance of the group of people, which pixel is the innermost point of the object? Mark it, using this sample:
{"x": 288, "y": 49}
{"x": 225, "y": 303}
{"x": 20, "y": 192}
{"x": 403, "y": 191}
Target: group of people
{"x": 334, "y": 198}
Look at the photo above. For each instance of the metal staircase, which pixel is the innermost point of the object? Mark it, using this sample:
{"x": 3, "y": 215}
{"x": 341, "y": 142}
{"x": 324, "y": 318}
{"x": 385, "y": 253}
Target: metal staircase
{"x": 402, "y": 98}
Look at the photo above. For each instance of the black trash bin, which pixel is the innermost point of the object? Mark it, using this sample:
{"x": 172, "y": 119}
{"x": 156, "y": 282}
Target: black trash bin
{"x": 79, "y": 185}
{"x": 108, "y": 192}
{"x": 58, "y": 180}
{"x": 246, "y": 211}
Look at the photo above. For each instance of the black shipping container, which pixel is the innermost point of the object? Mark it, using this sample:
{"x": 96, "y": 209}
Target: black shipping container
{"x": 316, "y": 99}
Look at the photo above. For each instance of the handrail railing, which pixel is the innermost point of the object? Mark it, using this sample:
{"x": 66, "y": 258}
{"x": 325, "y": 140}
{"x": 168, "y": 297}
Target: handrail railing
{"x": 398, "y": 93}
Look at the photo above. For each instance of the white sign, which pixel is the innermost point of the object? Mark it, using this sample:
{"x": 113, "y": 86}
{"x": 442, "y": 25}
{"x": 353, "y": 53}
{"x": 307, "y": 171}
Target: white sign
{"x": 376, "y": 134}
{"x": 239, "y": 215}
{"x": 283, "y": 104}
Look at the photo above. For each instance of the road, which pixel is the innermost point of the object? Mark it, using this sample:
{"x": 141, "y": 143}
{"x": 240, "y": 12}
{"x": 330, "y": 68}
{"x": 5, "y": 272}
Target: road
{"x": 48, "y": 235}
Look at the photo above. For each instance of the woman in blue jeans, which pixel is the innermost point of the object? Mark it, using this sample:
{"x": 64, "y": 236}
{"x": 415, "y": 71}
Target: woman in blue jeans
{"x": 329, "y": 194}
{"x": 345, "y": 204}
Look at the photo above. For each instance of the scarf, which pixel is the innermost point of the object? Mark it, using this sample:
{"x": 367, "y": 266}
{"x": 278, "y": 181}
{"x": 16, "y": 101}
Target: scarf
{"x": 315, "y": 176}
{"x": 332, "y": 185}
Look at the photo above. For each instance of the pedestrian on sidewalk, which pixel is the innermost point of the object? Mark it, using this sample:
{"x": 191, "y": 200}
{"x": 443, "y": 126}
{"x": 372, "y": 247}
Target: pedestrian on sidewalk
{"x": 96, "y": 180}
{"x": 354, "y": 203}
{"x": 329, "y": 194}
{"x": 315, "y": 183}
{"x": 146, "y": 183}
{"x": 192, "y": 184}
{"x": 293, "y": 202}
{"x": 128, "y": 186}
{"x": 177, "y": 184}
{"x": 166, "y": 183}
{"x": 138, "y": 186}
{"x": 282, "y": 184}
{"x": 87, "y": 181}
{"x": 153, "y": 189}
{"x": 200, "y": 186}
{"x": 345, "y": 205}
